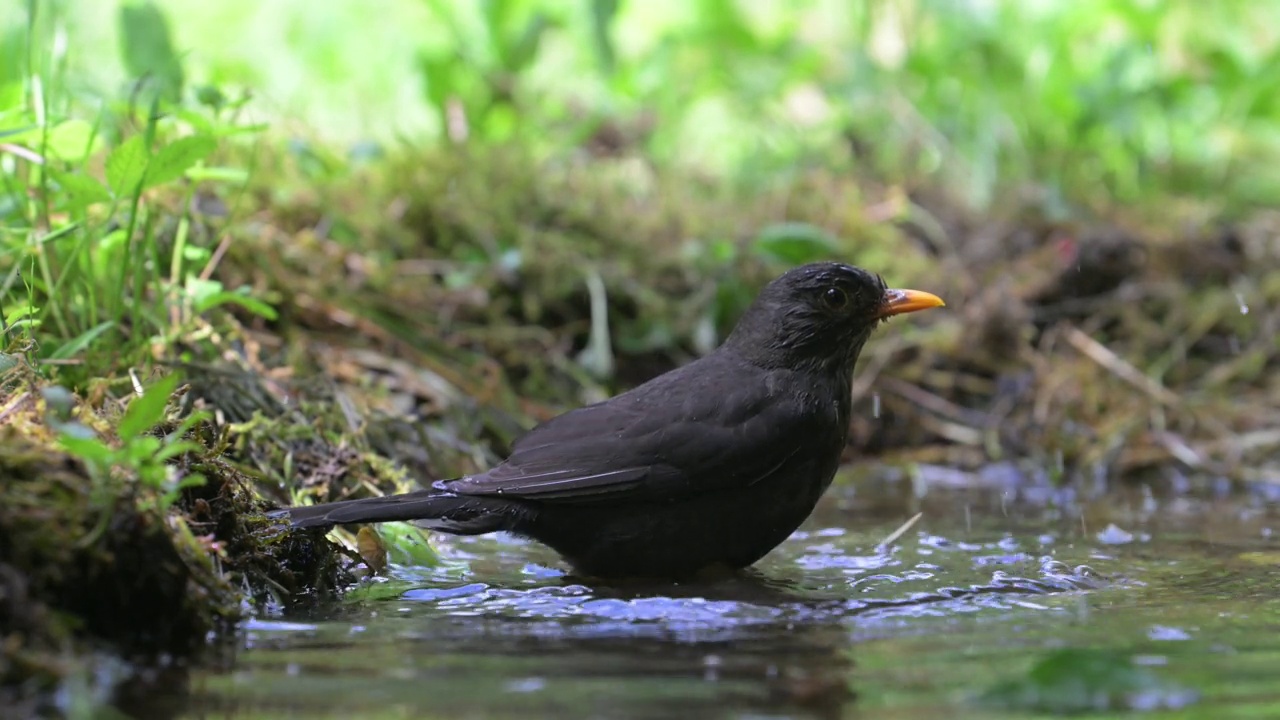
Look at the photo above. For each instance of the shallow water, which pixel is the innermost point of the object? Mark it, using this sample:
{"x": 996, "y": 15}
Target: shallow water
{"x": 1175, "y": 600}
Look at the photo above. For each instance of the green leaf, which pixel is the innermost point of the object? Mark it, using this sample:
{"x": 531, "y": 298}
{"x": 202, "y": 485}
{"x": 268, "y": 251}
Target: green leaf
{"x": 198, "y": 289}
{"x": 27, "y": 323}
{"x": 147, "y": 50}
{"x": 795, "y": 243}
{"x": 439, "y": 76}
{"x": 139, "y": 449}
{"x": 380, "y": 589}
{"x": 252, "y": 304}
{"x": 724, "y": 25}
{"x": 13, "y": 44}
{"x": 15, "y": 134}
{"x": 21, "y": 312}
{"x": 408, "y": 544}
{"x": 237, "y": 176}
{"x": 88, "y": 449}
{"x": 211, "y": 96}
{"x": 191, "y": 421}
{"x": 200, "y": 122}
{"x": 523, "y": 50}
{"x": 59, "y": 233}
{"x": 127, "y": 166}
{"x": 176, "y": 158}
{"x": 81, "y": 190}
{"x": 72, "y": 140}
{"x": 82, "y": 341}
{"x": 175, "y": 448}
{"x": 147, "y": 411}
{"x": 602, "y": 14}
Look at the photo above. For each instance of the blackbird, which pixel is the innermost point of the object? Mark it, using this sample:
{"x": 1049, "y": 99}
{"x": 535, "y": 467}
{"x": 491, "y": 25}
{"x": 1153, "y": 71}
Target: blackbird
{"x": 710, "y": 465}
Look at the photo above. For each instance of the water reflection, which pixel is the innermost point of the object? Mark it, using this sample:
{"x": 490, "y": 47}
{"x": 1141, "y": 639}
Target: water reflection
{"x": 500, "y": 631}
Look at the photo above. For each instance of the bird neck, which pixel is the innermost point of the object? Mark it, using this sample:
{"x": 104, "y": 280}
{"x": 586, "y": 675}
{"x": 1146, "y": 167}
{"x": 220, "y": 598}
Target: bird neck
{"x": 766, "y": 348}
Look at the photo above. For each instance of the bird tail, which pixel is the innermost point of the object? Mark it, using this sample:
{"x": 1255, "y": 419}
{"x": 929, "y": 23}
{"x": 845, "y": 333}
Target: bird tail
{"x": 434, "y": 509}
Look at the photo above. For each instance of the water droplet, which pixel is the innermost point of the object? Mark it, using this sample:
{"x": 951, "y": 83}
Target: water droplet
{"x": 1244, "y": 309}
{"x": 875, "y": 405}
{"x": 525, "y": 685}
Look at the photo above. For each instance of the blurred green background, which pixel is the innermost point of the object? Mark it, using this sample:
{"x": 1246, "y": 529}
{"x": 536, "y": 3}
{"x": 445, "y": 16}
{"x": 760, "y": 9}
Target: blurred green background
{"x": 1094, "y": 102}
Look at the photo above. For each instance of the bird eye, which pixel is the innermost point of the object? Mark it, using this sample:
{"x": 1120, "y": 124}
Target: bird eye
{"x": 835, "y": 298}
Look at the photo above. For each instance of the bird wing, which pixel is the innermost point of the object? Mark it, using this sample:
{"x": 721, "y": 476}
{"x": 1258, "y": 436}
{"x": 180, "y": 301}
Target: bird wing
{"x": 662, "y": 441}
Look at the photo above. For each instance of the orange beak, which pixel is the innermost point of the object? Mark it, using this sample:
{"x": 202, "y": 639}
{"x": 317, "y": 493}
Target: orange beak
{"x": 897, "y": 302}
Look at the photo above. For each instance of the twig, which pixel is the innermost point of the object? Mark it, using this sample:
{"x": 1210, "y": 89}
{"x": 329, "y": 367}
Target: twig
{"x": 1180, "y": 450}
{"x": 930, "y": 401}
{"x": 1119, "y": 367}
{"x": 13, "y": 406}
{"x": 136, "y": 382}
{"x": 1257, "y": 439}
{"x": 953, "y": 431}
{"x": 216, "y": 258}
{"x": 893, "y": 536}
{"x": 870, "y": 370}
{"x": 24, "y": 153}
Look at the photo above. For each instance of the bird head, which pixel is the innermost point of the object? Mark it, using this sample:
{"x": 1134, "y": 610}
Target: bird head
{"x": 819, "y": 316}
